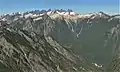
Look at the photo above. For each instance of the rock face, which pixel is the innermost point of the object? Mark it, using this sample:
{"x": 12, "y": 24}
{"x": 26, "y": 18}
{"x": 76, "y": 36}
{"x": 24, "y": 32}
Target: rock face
{"x": 45, "y": 41}
{"x": 25, "y": 46}
{"x": 114, "y": 66}
{"x": 23, "y": 53}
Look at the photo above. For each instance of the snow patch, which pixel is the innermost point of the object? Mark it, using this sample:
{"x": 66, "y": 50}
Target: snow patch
{"x": 35, "y": 15}
{"x": 28, "y": 15}
{"x": 48, "y": 13}
{"x": 37, "y": 18}
{"x": 72, "y": 13}
{"x": 41, "y": 14}
{"x": 67, "y": 13}
{"x": 85, "y": 16}
{"x": 97, "y": 65}
{"x": 54, "y": 16}
{"x": 60, "y": 13}
{"x": 110, "y": 19}
{"x": 15, "y": 19}
{"x": 4, "y": 19}
{"x": 82, "y": 68}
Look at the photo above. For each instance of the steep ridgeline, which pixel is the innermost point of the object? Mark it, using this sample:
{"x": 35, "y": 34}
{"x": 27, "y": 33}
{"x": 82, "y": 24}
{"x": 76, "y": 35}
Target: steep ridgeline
{"x": 25, "y": 46}
{"x": 114, "y": 66}
{"x": 93, "y": 36}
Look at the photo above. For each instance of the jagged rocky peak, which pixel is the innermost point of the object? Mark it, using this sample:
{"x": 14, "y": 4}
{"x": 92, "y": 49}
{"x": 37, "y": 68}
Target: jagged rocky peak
{"x": 61, "y": 12}
{"x": 54, "y": 13}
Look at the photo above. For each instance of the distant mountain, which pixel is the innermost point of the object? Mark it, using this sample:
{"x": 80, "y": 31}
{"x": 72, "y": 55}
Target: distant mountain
{"x": 94, "y": 37}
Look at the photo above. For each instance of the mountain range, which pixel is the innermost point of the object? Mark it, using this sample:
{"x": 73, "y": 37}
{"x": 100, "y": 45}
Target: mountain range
{"x": 60, "y": 41}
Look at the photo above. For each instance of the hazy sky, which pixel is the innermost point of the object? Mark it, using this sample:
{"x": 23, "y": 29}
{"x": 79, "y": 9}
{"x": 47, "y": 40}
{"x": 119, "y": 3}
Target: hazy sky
{"x": 7, "y": 6}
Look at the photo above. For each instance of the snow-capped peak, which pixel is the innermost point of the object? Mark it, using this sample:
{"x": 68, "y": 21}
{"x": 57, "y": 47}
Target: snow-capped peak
{"x": 57, "y": 13}
{"x": 61, "y": 12}
{"x": 93, "y": 15}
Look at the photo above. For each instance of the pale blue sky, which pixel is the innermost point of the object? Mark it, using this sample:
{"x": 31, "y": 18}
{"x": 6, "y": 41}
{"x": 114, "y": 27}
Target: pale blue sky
{"x": 8, "y": 6}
